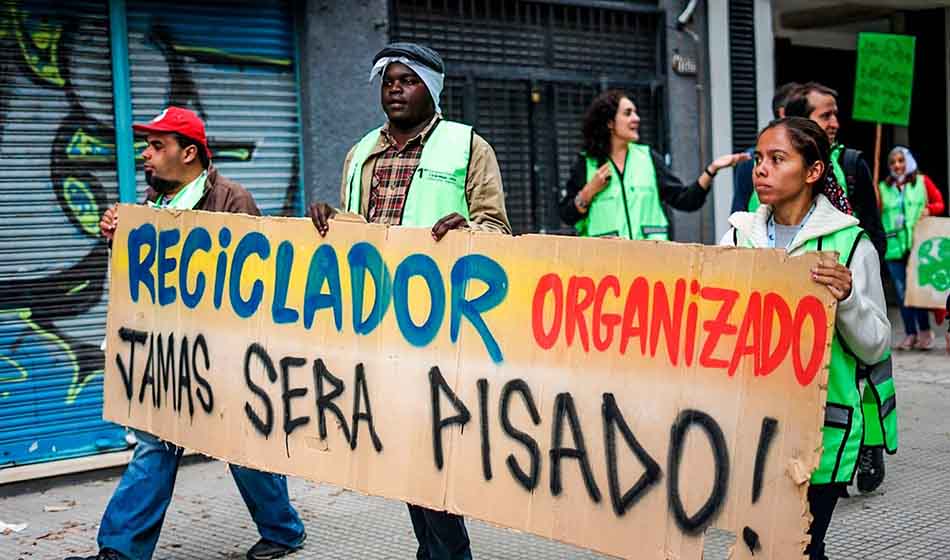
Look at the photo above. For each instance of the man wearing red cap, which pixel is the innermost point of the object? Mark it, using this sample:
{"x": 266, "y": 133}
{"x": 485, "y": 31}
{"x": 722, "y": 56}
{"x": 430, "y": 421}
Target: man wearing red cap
{"x": 180, "y": 175}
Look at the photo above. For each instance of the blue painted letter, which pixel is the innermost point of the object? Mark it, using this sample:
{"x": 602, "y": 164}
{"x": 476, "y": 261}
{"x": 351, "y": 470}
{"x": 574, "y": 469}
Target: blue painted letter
{"x": 198, "y": 238}
{"x": 363, "y": 257}
{"x": 493, "y": 275}
{"x": 324, "y": 269}
{"x": 424, "y": 266}
{"x": 221, "y": 271}
{"x": 283, "y": 268}
{"x": 140, "y": 269}
{"x": 252, "y": 243}
{"x": 167, "y": 238}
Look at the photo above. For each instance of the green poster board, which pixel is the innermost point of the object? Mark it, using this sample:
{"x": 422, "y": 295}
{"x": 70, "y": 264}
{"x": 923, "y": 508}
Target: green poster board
{"x": 884, "y": 78}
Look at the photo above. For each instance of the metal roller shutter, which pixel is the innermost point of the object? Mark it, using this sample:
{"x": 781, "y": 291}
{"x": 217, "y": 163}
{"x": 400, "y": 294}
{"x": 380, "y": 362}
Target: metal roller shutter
{"x": 524, "y": 71}
{"x": 745, "y": 122}
{"x": 57, "y": 152}
{"x": 233, "y": 62}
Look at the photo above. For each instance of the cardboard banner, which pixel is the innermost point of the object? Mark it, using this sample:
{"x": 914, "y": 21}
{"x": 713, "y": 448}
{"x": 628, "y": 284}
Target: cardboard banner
{"x": 884, "y": 78}
{"x": 620, "y": 396}
{"x": 928, "y": 268}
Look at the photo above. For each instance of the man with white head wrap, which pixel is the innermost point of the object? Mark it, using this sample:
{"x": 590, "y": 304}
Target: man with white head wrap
{"x": 425, "y": 62}
{"x": 421, "y": 170}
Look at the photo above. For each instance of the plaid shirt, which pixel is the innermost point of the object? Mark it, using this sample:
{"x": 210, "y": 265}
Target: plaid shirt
{"x": 392, "y": 176}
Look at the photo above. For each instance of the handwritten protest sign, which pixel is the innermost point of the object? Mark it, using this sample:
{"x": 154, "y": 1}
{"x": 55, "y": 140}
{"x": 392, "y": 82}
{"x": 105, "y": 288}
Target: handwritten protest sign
{"x": 621, "y": 396}
{"x": 928, "y": 268}
{"x": 884, "y": 78}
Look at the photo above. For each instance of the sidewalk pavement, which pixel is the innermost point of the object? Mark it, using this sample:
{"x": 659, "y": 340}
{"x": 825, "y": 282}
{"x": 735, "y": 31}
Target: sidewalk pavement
{"x": 907, "y": 518}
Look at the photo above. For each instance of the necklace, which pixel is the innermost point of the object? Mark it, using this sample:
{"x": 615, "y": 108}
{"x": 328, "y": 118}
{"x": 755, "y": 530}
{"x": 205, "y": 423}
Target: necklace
{"x": 771, "y": 227}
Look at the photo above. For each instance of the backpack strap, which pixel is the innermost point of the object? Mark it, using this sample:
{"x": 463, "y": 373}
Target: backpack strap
{"x": 849, "y": 164}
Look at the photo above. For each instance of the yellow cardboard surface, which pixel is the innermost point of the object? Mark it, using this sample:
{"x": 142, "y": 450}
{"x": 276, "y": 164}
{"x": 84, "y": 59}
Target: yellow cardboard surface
{"x": 928, "y": 268}
{"x": 620, "y": 396}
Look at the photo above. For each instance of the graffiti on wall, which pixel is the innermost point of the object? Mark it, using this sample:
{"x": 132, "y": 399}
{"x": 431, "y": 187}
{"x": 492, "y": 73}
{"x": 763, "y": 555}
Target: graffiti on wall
{"x": 52, "y": 308}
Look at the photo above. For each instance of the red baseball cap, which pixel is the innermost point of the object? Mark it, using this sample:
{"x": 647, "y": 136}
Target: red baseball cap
{"x": 176, "y": 119}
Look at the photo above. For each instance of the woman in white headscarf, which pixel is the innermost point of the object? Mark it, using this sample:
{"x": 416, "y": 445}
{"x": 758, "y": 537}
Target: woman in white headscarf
{"x": 907, "y": 195}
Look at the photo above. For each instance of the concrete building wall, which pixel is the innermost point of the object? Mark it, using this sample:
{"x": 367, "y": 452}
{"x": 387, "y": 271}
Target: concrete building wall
{"x": 686, "y": 129}
{"x": 338, "y": 41}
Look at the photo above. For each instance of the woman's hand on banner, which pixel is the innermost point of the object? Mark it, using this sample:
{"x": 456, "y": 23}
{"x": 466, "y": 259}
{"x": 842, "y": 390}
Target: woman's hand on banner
{"x": 835, "y": 276}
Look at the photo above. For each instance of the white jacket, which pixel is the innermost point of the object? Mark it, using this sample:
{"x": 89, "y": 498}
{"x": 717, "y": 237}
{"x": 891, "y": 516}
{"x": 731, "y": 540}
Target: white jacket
{"x": 862, "y": 317}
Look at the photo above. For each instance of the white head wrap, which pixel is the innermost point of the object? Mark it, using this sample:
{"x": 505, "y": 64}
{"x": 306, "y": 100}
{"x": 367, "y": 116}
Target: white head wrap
{"x": 433, "y": 80}
{"x": 909, "y": 161}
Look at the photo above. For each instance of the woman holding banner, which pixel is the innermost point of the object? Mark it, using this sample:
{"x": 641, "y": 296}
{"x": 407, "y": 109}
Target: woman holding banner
{"x": 906, "y": 195}
{"x": 617, "y": 187}
{"x": 791, "y": 164}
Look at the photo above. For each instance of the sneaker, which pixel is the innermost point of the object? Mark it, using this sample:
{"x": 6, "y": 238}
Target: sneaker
{"x": 925, "y": 341}
{"x": 907, "y": 343}
{"x": 104, "y": 554}
{"x": 266, "y": 550}
{"x": 870, "y": 469}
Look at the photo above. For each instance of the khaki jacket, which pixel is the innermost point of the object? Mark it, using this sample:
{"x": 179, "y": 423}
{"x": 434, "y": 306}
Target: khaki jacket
{"x": 483, "y": 188}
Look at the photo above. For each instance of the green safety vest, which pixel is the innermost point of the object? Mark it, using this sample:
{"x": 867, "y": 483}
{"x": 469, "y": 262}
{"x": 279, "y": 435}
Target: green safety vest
{"x": 845, "y": 425}
{"x": 835, "y": 157}
{"x": 844, "y": 430}
{"x": 438, "y": 184}
{"x": 897, "y": 207}
{"x": 836, "y": 168}
{"x": 631, "y": 210}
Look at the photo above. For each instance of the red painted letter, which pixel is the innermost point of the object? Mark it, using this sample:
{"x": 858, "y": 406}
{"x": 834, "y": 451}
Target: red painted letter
{"x": 809, "y": 306}
{"x": 608, "y": 320}
{"x": 548, "y": 283}
{"x": 718, "y": 326}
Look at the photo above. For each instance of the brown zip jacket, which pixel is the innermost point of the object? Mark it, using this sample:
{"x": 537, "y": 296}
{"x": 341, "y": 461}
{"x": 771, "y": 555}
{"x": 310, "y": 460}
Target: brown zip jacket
{"x": 221, "y": 195}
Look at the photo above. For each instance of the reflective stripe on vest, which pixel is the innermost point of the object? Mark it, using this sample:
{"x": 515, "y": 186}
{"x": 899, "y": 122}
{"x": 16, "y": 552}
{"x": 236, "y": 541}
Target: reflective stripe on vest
{"x": 438, "y": 183}
{"x": 844, "y": 420}
{"x": 899, "y": 219}
{"x": 631, "y": 210}
{"x": 879, "y": 406}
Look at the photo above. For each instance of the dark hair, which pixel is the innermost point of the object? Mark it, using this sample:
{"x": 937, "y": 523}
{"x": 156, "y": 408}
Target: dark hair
{"x": 185, "y": 141}
{"x": 780, "y": 98}
{"x": 807, "y": 138}
{"x": 602, "y": 110}
{"x": 797, "y": 105}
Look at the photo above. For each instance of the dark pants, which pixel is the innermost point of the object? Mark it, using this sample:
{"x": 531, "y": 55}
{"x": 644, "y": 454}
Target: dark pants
{"x": 441, "y": 535}
{"x": 822, "y": 500}
{"x": 915, "y": 319}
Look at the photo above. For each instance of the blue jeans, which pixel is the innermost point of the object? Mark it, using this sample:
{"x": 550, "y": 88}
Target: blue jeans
{"x": 134, "y": 516}
{"x": 914, "y": 319}
{"x": 441, "y": 535}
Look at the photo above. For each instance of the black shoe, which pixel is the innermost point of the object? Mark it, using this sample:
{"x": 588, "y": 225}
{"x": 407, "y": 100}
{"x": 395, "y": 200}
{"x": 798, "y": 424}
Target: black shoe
{"x": 870, "y": 469}
{"x": 266, "y": 550}
{"x": 104, "y": 554}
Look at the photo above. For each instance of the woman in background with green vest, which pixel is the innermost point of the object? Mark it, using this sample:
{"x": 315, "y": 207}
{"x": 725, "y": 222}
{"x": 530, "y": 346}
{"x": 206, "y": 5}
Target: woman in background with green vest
{"x": 789, "y": 176}
{"x": 618, "y": 187}
{"x": 906, "y": 196}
